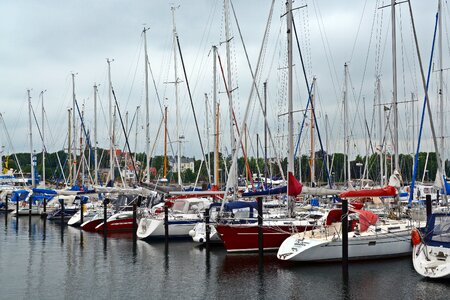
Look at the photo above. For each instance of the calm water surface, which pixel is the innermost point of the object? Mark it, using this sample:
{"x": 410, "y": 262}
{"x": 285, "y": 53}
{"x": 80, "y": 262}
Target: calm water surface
{"x": 42, "y": 260}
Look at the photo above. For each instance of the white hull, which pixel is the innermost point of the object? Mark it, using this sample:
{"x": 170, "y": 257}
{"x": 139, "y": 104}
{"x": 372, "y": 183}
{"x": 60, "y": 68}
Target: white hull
{"x": 431, "y": 261}
{"x": 367, "y": 245}
{"x": 154, "y": 227}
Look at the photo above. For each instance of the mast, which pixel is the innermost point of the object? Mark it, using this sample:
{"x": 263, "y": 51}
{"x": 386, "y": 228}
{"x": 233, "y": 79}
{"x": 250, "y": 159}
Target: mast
{"x": 136, "y": 133}
{"x": 176, "y": 96}
{"x": 43, "y": 140}
{"x": 147, "y": 114}
{"x": 69, "y": 144}
{"x": 265, "y": 135}
{"x": 207, "y": 136}
{"x": 74, "y": 133}
{"x": 111, "y": 130}
{"x": 394, "y": 85}
{"x": 230, "y": 88}
{"x": 346, "y": 133}
{"x": 95, "y": 136}
{"x": 216, "y": 119}
{"x": 312, "y": 155}
{"x": 381, "y": 119}
{"x": 33, "y": 179}
{"x": 165, "y": 143}
{"x": 327, "y": 142}
{"x": 290, "y": 157}
{"x": 441, "y": 87}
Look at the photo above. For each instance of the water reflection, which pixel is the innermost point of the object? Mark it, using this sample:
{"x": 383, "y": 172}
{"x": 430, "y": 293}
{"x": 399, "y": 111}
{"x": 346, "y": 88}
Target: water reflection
{"x": 43, "y": 268}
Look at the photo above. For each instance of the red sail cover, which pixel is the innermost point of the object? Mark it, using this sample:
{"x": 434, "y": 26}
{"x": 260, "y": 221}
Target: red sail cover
{"x": 387, "y": 191}
{"x": 294, "y": 186}
{"x": 366, "y": 218}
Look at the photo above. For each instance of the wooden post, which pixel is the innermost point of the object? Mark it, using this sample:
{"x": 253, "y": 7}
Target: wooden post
{"x": 62, "y": 211}
{"x": 260, "y": 227}
{"x": 82, "y": 212}
{"x": 166, "y": 225}
{"x": 134, "y": 223}
{"x": 207, "y": 230}
{"x": 105, "y": 217}
{"x": 428, "y": 205}
{"x": 17, "y": 214}
{"x": 344, "y": 237}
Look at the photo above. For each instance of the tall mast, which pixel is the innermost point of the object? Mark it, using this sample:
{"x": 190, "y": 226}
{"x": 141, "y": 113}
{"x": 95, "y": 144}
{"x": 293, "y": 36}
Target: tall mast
{"x": 265, "y": 134}
{"x": 33, "y": 179}
{"x": 313, "y": 154}
{"x": 82, "y": 159}
{"x": 216, "y": 119}
{"x": 147, "y": 114}
{"x": 69, "y": 144}
{"x": 327, "y": 140}
{"x": 207, "y": 137}
{"x": 43, "y": 140}
{"x": 394, "y": 84}
{"x": 95, "y": 136}
{"x": 74, "y": 133}
{"x": 381, "y": 119}
{"x": 176, "y": 96}
{"x": 346, "y": 133}
{"x": 136, "y": 133}
{"x": 165, "y": 143}
{"x": 290, "y": 157}
{"x": 111, "y": 130}
{"x": 441, "y": 87}
{"x": 230, "y": 89}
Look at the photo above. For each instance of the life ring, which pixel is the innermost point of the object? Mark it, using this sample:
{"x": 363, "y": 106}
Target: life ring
{"x": 416, "y": 239}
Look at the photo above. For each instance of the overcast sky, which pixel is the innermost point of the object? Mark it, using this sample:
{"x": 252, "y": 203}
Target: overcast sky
{"x": 44, "y": 42}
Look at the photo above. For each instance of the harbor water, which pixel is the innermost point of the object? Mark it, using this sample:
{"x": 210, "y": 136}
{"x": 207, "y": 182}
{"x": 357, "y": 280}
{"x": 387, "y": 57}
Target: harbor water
{"x": 41, "y": 260}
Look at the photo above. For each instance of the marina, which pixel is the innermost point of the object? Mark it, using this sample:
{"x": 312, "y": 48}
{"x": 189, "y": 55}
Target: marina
{"x": 206, "y": 176}
{"x": 42, "y": 260}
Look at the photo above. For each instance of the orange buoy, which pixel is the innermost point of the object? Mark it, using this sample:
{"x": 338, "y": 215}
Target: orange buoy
{"x": 415, "y": 237}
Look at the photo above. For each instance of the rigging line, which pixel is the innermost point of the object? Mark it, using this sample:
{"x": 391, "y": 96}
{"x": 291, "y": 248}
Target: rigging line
{"x": 10, "y": 145}
{"x": 427, "y": 104}
{"x": 312, "y": 104}
{"x": 135, "y": 72}
{"x": 235, "y": 121}
{"x": 326, "y": 47}
{"x": 254, "y": 86}
{"x": 357, "y": 31}
{"x": 192, "y": 103}
{"x": 88, "y": 140}
{"x": 159, "y": 102}
{"x": 125, "y": 133}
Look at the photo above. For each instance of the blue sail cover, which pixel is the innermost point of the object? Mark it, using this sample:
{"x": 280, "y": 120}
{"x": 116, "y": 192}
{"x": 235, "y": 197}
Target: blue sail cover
{"x": 44, "y": 191}
{"x": 438, "y": 230}
{"x": 274, "y": 191}
{"x": 19, "y": 195}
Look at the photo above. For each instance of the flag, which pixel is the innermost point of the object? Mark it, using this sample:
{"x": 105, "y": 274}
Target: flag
{"x": 294, "y": 186}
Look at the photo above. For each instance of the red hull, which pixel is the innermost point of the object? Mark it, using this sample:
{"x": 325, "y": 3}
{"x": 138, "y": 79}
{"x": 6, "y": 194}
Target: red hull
{"x": 237, "y": 237}
{"x": 123, "y": 225}
{"x": 90, "y": 226}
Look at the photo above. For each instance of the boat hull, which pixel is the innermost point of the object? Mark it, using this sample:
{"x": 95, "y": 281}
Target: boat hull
{"x": 244, "y": 237}
{"x": 91, "y": 224}
{"x": 295, "y": 248}
{"x": 120, "y": 225}
{"x": 154, "y": 228}
{"x": 431, "y": 261}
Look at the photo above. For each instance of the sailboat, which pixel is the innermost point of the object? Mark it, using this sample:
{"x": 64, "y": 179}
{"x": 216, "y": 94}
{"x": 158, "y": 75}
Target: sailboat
{"x": 431, "y": 251}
